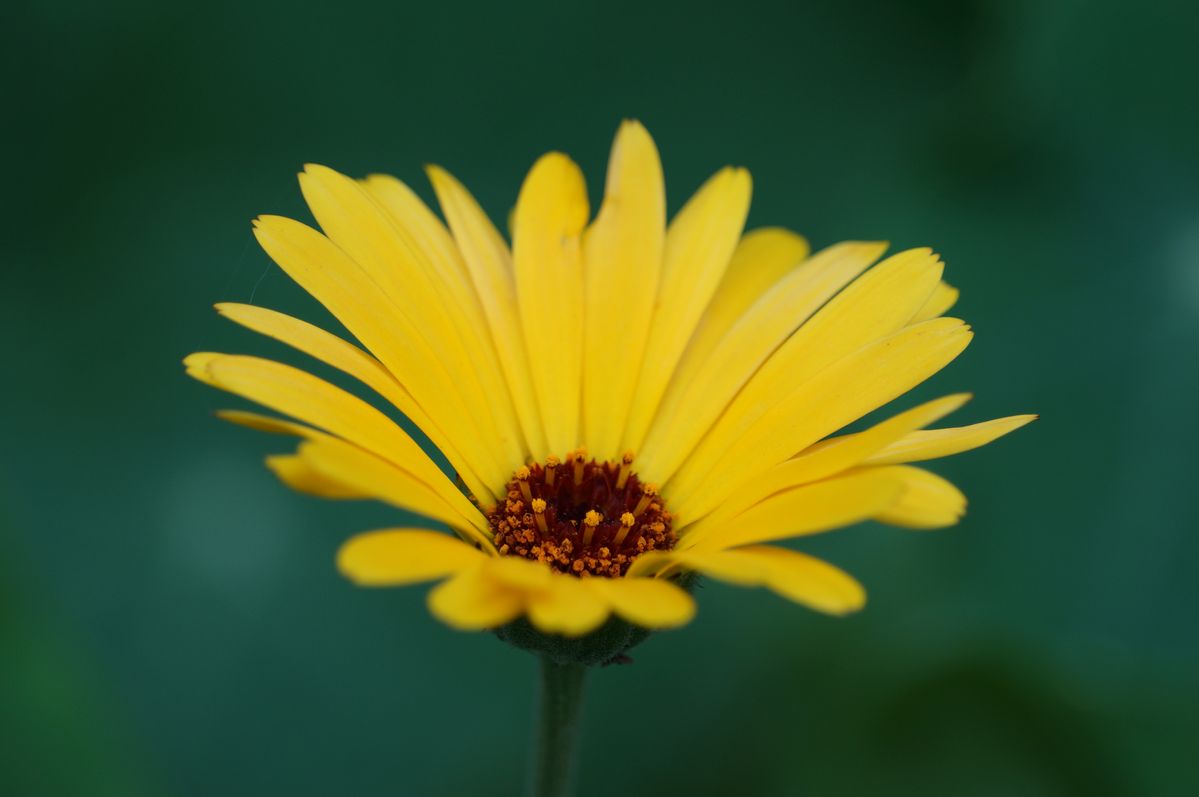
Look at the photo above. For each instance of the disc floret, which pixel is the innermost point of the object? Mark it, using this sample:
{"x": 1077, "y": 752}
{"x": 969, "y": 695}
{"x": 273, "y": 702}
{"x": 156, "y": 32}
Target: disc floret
{"x": 581, "y": 517}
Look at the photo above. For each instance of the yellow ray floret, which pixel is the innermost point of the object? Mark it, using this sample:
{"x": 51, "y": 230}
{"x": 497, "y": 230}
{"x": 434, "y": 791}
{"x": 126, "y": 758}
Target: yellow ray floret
{"x": 354, "y": 298}
{"x": 483, "y": 591}
{"x": 699, "y": 243}
{"x": 622, "y": 261}
{"x": 793, "y": 575}
{"x": 927, "y": 501}
{"x": 489, "y": 264}
{"x": 847, "y": 390}
{"x": 418, "y": 294}
{"x": 705, "y": 385}
{"x": 827, "y": 459}
{"x": 803, "y": 510}
{"x": 942, "y": 299}
{"x": 936, "y": 443}
{"x": 298, "y": 474}
{"x": 547, "y": 253}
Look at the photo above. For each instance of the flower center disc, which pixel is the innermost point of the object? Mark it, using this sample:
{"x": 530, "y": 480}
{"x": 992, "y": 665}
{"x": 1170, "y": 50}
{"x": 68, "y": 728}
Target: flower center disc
{"x": 582, "y": 517}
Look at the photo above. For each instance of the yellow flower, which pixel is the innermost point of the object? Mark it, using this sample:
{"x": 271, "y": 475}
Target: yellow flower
{"x": 625, "y": 401}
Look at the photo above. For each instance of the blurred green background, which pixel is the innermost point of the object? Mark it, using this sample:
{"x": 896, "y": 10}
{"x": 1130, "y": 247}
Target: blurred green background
{"x": 170, "y": 620}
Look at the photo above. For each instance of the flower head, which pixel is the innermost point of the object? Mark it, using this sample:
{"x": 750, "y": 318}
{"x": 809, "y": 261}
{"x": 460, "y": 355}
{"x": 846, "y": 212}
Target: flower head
{"x": 625, "y": 402}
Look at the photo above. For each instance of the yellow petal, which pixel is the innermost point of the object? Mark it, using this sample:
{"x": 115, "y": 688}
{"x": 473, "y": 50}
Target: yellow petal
{"x": 390, "y": 256}
{"x": 723, "y": 565}
{"x": 551, "y": 212}
{"x": 876, "y": 305}
{"x": 793, "y": 575}
{"x": 520, "y": 574}
{"x": 329, "y": 349}
{"x": 855, "y": 385}
{"x": 449, "y": 276}
{"x": 934, "y": 443}
{"x": 349, "y": 359}
{"x": 297, "y": 474}
{"x": 314, "y": 401}
{"x": 649, "y": 564}
{"x": 690, "y": 407}
{"x": 470, "y": 601}
{"x": 761, "y": 259}
{"x": 265, "y": 423}
{"x": 622, "y": 253}
{"x": 312, "y": 471}
{"x": 699, "y": 243}
{"x": 341, "y": 285}
{"x": 345, "y": 464}
{"x": 808, "y": 509}
{"x": 566, "y": 607}
{"x": 647, "y": 602}
{"x": 392, "y": 557}
{"x": 423, "y": 230}
{"x": 943, "y": 298}
{"x": 928, "y": 501}
{"x": 831, "y": 457}
{"x": 490, "y": 265}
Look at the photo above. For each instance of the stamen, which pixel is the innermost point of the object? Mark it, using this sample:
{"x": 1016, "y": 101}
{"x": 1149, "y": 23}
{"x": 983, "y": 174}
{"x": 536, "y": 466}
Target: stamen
{"x": 522, "y": 479}
{"x": 590, "y": 520}
{"x": 626, "y": 467}
{"x": 539, "y": 514}
{"x": 647, "y": 497}
{"x": 551, "y": 464}
{"x": 626, "y": 525}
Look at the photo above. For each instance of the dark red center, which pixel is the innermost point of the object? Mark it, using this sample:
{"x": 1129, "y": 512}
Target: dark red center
{"x": 581, "y": 516}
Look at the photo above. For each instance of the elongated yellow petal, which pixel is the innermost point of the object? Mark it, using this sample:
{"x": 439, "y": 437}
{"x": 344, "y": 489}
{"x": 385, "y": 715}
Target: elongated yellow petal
{"x": 354, "y": 298}
{"x": 314, "y": 401}
{"x": 832, "y": 457}
{"x": 943, "y": 298}
{"x": 934, "y": 443}
{"x": 840, "y": 394}
{"x": 523, "y": 575}
{"x": 551, "y": 212}
{"x": 329, "y": 349}
{"x": 567, "y": 607}
{"x": 761, "y": 259}
{"x": 877, "y": 304}
{"x": 699, "y": 243}
{"x": 808, "y": 509}
{"x": 449, "y": 276}
{"x": 296, "y": 473}
{"x": 928, "y": 501}
{"x": 345, "y": 464}
{"x": 424, "y": 231}
{"x": 393, "y": 557}
{"x": 793, "y": 575}
{"x": 357, "y": 474}
{"x": 265, "y": 423}
{"x": 346, "y": 357}
{"x": 650, "y": 564}
{"x": 690, "y": 408}
{"x": 471, "y": 601}
{"x": 622, "y": 253}
{"x": 490, "y": 265}
{"x": 647, "y": 602}
{"x": 391, "y": 257}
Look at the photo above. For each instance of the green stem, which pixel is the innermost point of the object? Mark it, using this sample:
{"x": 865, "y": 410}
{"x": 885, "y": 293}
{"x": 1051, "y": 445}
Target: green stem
{"x": 559, "y": 711}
